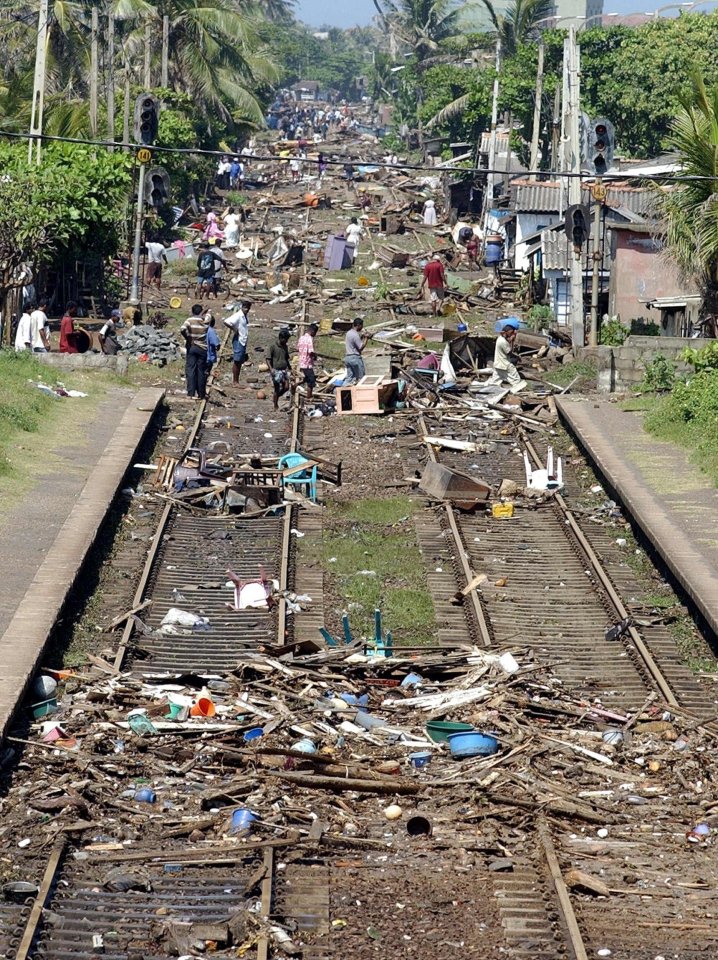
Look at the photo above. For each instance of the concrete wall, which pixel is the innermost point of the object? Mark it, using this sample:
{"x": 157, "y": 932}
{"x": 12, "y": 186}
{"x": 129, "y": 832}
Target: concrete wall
{"x": 640, "y": 272}
{"x": 85, "y": 361}
{"x": 623, "y": 368}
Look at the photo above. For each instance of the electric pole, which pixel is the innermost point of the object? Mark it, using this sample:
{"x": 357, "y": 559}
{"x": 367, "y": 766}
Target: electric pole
{"x": 572, "y": 167}
{"x": 110, "y": 75}
{"x": 94, "y": 72}
{"x": 147, "y": 79}
{"x": 533, "y": 163}
{"x": 38, "y": 90}
{"x": 165, "y": 79}
{"x": 490, "y": 176}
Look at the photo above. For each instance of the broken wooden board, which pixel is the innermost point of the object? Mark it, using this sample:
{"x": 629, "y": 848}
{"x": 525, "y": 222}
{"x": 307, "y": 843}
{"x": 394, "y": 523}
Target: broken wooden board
{"x": 444, "y": 483}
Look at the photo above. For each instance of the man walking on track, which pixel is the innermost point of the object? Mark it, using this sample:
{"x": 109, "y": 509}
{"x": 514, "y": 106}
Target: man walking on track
{"x": 435, "y": 280}
{"x": 194, "y": 331}
{"x": 238, "y": 323}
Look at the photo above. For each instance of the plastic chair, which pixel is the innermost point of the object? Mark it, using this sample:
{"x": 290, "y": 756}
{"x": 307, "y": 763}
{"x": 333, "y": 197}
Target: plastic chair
{"x": 306, "y": 478}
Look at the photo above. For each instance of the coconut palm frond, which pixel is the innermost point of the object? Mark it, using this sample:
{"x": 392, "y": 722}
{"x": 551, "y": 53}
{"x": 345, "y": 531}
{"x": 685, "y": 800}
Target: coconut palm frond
{"x": 450, "y": 111}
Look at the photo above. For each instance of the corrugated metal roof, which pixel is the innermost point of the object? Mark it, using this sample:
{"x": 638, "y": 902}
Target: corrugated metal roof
{"x": 554, "y": 250}
{"x": 544, "y": 197}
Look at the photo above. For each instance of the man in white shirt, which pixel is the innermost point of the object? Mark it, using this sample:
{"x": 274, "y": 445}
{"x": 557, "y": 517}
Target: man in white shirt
{"x": 504, "y": 370}
{"x": 238, "y": 323}
{"x": 156, "y": 256}
{"x": 40, "y": 328}
{"x": 23, "y": 335}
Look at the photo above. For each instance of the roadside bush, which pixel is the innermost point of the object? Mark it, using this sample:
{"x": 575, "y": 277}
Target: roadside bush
{"x": 660, "y": 375}
{"x": 613, "y": 333}
{"x": 704, "y": 359}
{"x": 540, "y": 316}
{"x": 696, "y": 399}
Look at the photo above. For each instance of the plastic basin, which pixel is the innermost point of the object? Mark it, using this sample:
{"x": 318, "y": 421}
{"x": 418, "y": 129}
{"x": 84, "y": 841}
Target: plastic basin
{"x": 440, "y": 730}
{"x": 471, "y": 743}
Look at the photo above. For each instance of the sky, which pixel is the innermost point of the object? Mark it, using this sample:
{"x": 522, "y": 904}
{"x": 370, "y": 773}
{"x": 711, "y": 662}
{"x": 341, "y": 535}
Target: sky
{"x": 340, "y": 13}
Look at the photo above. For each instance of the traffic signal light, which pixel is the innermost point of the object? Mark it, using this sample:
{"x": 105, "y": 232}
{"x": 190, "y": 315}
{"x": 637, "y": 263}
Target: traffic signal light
{"x": 577, "y": 225}
{"x": 157, "y": 187}
{"x": 602, "y": 142}
{"x": 147, "y": 119}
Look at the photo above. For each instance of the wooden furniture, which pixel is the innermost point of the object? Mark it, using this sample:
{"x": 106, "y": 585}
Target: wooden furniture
{"x": 373, "y": 394}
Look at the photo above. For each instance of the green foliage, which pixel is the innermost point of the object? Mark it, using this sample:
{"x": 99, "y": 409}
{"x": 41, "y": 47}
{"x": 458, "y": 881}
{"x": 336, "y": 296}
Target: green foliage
{"x": 706, "y": 358}
{"x": 613, "y": 333}
{"x": 539, "y": 316}
{"x": 335, "y": 62}
{"x": 660, "y": 375}
{"x": 468, "y": 88}
{"x": 74, "y": 202}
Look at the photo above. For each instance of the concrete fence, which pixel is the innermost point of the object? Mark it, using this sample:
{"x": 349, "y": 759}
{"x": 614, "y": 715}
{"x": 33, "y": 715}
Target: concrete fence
{"x": 623, "y": 368}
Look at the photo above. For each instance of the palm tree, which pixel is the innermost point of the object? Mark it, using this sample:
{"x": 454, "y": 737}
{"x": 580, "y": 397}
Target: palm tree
{"x": 689, "y": 210}
{"x": 420, "y": 25}
{"x": 519, "y": 23}
{"x": 214, "y": 55}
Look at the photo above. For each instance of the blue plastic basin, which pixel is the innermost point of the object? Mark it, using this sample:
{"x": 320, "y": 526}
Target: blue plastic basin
{"x": 472, "y": 744}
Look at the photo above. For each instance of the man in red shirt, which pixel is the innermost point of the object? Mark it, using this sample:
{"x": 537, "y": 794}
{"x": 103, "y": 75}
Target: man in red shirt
{"x": 435, "y": 280}
{"x": 68, "y": 342}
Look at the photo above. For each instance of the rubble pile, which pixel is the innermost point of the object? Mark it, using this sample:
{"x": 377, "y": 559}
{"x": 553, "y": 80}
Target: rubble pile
{"x": 149, "y": 343}
{"x": 349, "y": 747}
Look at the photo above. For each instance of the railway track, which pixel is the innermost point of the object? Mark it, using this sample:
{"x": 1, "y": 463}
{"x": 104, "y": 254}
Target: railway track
{"x": 564, "y": 585}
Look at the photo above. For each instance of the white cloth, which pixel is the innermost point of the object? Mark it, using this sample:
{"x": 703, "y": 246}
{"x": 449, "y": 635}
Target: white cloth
{"x": 38, "y": 321}
{"x": 24, "y": 333}
{"x": 155, "y": 252}
{"x": 238, "y": 323}
{"x": 429, "y": 214}
{"x": 231, "y": 230}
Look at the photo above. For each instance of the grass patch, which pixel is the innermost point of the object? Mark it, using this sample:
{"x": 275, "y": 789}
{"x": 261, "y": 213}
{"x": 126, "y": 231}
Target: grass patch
{"x": 369, "y": 547}
{"x": 582, "y": 369}
{"x": 688, "y": 417}
{"x": 31, "y": 422}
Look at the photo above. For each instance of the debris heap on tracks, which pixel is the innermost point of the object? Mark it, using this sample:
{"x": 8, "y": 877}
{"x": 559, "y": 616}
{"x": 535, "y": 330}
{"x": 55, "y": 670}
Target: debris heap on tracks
{"x": 147, "y": 341}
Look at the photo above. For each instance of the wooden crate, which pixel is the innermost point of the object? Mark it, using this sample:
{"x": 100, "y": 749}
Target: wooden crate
{"x": 371, "y": 395}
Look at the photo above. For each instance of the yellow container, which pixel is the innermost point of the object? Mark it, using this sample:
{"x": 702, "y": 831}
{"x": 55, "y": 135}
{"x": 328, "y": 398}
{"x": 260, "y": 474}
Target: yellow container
{"x": 325, "y": 325}
{"x": 502, "y": 511}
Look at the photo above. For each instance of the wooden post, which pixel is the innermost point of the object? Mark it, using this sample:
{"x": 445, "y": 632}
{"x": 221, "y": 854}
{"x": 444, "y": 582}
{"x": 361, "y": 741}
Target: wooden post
{"x": 126, "y": 113}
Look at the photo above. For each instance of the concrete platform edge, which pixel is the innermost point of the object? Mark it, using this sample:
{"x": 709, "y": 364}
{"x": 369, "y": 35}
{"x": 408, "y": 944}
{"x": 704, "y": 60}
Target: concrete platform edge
{"x": 656, "y": 523}
{"x": 23, "y": 643}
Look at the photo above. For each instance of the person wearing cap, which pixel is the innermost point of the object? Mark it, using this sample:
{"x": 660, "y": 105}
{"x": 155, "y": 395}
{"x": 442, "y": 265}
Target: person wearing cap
{"x": 307, "y": 356}
{"x": 108, "y": 335}
{"x": 505, "y": 371}
{"x": 278, "y": 363}
{"x": 435, "y": 280}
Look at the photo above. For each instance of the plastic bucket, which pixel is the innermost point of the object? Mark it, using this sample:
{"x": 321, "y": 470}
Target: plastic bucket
{"x": 204, "y": 707}
{"x": 242, "y": 820}
{"x": 44, "y": 708}
{"x": 472, "y": 743}
{"x": 420, "y": 759}
{"x": 440, "y": 730}
{"x": 146, "y": 795}
{"x": 254, "y": 734}
{"x": 494, "y": 250}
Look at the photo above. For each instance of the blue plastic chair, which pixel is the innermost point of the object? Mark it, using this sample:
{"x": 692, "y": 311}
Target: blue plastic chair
{"x": 300, "y": 478}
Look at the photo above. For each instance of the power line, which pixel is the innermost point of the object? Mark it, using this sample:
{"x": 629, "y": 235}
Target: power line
{"x": 617, "y": 177}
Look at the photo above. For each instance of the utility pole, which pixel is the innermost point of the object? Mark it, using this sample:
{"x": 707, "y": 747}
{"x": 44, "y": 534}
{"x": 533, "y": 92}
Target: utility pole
{"x": 94, "y": 73}
{"x": 139, "y": 222}
{"x": 533, "y": 163}
{"x": 599, "y": 194}
{"x": 126, "y": 111}
{"x": 165, "y": 51}
{"x": 38, "y": 91}
{"x": 148, "y": 50}
{"x": 110, "y": 75}
{"x": 490, "y": 176}
{"x": 572, "y": 167}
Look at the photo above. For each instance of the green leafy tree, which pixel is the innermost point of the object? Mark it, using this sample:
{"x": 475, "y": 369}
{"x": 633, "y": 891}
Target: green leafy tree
{"x": 518, "y": 23}
{"x": 420, "y": 25}
{"x": 689, "y": 210}
{"x": 74, "y": 203}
